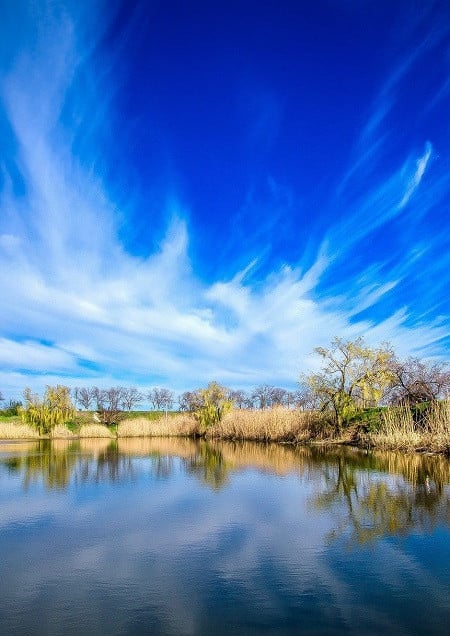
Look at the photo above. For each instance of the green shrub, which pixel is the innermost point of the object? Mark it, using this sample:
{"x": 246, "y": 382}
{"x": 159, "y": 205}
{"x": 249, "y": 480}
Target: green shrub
{"x": 11, "y": 409}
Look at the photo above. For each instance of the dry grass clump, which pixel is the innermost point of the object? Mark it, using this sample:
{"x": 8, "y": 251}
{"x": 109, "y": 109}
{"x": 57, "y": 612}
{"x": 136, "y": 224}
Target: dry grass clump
{"x": 11, "y": 430}
{"x": 439, "y": 426}
{"x": 399, "y": 430}
{"x": 166, "y": 426}
{"x": 95, "y": 430}
{"x": 271, "y": 425}
{"x": 61, "y": 432}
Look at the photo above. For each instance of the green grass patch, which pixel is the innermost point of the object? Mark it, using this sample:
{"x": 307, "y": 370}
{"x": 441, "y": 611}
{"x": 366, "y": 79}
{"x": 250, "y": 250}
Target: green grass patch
{"x": 149, "y": 415}
{"x": 370, "y": 419}
{"x": 14, "y": 419}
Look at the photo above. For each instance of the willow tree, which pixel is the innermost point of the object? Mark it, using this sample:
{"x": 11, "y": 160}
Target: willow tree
{"x": 212, "y": 404}
{"x": 55, "y": 409}
{"x": 353, "y": 376}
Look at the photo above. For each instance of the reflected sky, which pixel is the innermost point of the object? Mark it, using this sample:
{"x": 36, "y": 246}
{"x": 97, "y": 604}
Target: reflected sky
{"x": 177, "y": 537}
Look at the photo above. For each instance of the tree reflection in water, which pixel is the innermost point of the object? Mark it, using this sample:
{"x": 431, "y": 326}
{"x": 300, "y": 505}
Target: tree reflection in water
{"x": 208, "y": 464}
{"x": 378, "y": 494}
{"x": 370, "y": 494}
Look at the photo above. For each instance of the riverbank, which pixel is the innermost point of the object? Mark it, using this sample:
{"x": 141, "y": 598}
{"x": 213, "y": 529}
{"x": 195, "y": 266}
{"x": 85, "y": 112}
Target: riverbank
{"x": 387, "y": 429}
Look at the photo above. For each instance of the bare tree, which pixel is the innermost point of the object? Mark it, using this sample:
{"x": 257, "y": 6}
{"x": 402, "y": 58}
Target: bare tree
{"x": 239, "y": 398}
{"x": 131, "y": 397}
{"x": 262, "y": 396}
{"x": 289, "y": 399}
{"x": 277, "y": 396}
{"x": 184, "y": 401}
{"x": 167, "y": 399}
{"x": 2, "y": 399}
{"x": 249, "y": 402}
{"x": 190, "y": 401}
{"x": 84, "y": 396}
{"x": 108, "y": 403}
{"x": 416, "y": 380}
{"x": 74, "y": 394}
{"x": 97, "y": 397}
{"x": 161, "y": 399}
{"x": 305, "y": 399}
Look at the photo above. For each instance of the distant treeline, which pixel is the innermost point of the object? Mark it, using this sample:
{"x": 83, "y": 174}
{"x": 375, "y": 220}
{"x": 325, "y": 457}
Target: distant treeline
{"x": 353, "y": 377}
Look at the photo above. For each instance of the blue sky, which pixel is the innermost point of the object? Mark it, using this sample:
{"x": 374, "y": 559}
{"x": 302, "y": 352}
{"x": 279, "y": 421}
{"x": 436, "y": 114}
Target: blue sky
{"x": 196, "y": 190}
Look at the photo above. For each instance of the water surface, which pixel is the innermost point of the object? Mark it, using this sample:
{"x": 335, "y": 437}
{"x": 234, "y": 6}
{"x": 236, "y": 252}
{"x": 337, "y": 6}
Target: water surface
{"x": 167, "y": 536}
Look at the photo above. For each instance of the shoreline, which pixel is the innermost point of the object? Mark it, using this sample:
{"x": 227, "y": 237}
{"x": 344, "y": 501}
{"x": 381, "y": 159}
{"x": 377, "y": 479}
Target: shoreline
{"x": 397, "y": 432}
{"x": 322, "y": 443}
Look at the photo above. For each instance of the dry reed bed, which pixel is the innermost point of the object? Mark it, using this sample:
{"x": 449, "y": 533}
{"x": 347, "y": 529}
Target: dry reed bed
{"x": 95, "y": 430}
{"x": 166, "y": 426}
{"x": 399, "y": 431}
{"x": 12, "y": 430}
{"x": 271, "y": 425}
{"x": 62, "y": 432}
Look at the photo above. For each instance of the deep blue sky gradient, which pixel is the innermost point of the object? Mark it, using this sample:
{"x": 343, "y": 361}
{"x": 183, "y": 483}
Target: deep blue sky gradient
{"x": 195, "y": 160}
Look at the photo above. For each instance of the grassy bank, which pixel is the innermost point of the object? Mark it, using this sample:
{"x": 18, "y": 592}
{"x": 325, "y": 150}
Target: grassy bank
{"x": 394, "y": 428}
{"x": 402, "y": 429}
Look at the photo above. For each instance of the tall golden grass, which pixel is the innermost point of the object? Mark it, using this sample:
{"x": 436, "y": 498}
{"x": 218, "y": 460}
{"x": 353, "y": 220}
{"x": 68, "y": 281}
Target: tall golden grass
{"x": 95, "y": 430}
{"x": 61, "y": 432}
{"x": 12, "y": 430}
{"x": 399, "y": 431}
{"x": 165, "y": 426}
{"x": 271, "y": 425}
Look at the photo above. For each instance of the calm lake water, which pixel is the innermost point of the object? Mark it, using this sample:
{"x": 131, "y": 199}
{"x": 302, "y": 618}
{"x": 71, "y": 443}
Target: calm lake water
{"x": 170, "y": 536}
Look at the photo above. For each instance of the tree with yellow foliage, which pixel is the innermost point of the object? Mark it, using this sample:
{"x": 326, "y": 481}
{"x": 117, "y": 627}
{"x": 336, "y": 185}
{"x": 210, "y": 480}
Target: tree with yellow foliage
{"x": 213, "y": 403}
{"x": 55, "y": 409}
{"x": 353, "y": 376}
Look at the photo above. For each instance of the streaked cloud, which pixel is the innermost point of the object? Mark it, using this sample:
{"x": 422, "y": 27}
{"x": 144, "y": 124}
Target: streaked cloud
{"x": 421, "y": 165}
{"x": 82, "y": 307}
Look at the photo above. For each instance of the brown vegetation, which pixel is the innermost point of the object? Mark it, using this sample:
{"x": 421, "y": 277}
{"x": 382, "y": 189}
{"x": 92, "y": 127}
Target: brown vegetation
{"x": 272, "y": 425}
{"x": 400, "y": 430}
{"x": 61, "y": 432}
{"x": 12, "y": 430}
{"x": 95, "y": 430}
{"x": 165, "y": 426}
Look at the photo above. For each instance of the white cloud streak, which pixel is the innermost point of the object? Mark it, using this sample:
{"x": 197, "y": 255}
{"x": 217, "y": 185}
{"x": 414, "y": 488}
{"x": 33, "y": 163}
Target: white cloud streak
{"x": 113, "y": 317}
{"x": 421, "y": 165}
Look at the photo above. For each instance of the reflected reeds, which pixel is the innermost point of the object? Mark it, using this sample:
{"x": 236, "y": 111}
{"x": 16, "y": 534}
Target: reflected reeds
{"x": 142, "y": 446}
{"x": 371, "y": 494}
{"x": 94, "y": 446}
{"x": 273, "y": 458}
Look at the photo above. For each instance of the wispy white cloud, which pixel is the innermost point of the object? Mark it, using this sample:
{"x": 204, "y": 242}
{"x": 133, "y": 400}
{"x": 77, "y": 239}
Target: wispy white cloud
{"x": 114, "y": 317}
{"x": 381, "y": 203}
{"x": 414, "y": 182}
